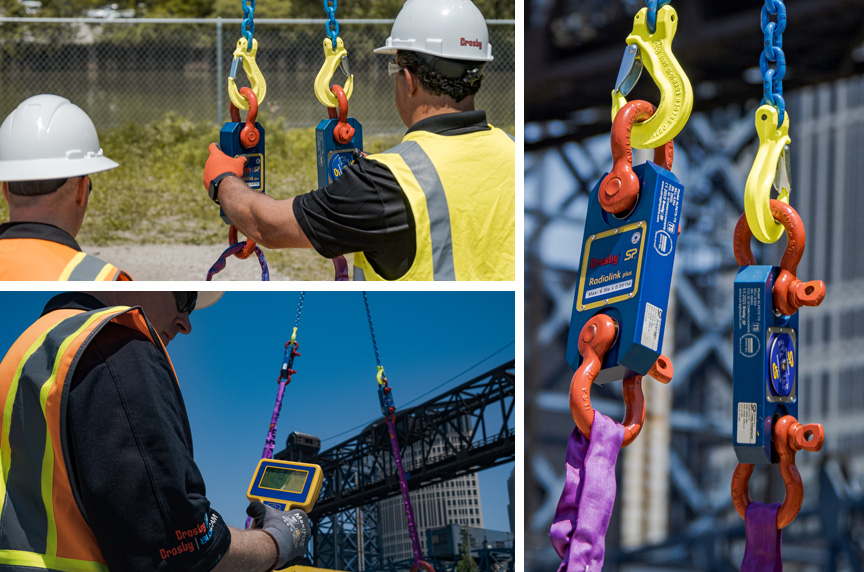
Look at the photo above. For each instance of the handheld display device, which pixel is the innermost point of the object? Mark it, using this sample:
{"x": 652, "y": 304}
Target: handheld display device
{"x": 285, "y": 484}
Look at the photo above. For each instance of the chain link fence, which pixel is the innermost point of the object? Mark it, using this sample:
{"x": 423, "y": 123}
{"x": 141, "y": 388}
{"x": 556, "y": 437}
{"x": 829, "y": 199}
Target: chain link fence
{"x": 135, "y": 70}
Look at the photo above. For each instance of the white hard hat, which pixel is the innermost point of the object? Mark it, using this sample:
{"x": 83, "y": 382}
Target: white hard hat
{"x": 452, "y": 29}
{"x": 207, "y": 298}
{"x": 49, "y": 137}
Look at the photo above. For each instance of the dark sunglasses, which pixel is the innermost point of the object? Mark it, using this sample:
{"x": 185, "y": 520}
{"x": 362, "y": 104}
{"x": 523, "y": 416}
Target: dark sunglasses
{"x": 186, "y": 301}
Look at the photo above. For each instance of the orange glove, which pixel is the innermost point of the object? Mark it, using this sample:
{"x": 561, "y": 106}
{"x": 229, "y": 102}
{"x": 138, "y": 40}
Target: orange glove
{"x": 218, "y": 163}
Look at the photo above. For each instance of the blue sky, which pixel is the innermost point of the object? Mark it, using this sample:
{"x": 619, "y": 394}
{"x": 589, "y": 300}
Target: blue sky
{"x": 229, "y": 364}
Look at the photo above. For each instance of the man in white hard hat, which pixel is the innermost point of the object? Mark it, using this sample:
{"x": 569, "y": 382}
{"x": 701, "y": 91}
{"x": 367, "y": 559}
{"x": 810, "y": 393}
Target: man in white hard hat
{"x": 98, "y": 473}
{"x": 48, "y": 149}
{"x": 438, "y": 206}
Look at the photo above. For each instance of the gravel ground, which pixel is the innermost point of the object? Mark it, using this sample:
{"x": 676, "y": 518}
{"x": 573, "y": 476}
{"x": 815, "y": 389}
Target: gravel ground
{"x": 177, "y": 262}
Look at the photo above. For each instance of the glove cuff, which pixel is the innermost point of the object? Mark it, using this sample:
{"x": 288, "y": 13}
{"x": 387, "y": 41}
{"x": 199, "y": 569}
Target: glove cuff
{"x": 278, "y": 552}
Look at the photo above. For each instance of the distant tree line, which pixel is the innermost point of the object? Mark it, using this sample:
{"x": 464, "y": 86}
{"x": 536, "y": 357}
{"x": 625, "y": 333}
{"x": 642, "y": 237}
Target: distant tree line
{"x": 492, "y": 9}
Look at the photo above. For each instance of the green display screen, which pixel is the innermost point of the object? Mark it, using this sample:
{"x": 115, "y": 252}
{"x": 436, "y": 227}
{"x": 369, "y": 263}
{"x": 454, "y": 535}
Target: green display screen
{"x": 280, "y": 479}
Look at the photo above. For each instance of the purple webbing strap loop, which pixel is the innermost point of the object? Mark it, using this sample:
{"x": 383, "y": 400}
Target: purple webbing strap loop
{"x": 762, "y": 553}
{"x": 403, "y": 485}
{"x": 284, "y": 380}
{"x": 578, "y": 532}
{"x": 219, "y": 265}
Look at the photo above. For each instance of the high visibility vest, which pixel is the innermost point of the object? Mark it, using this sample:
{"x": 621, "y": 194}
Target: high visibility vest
{"x": 37, "y": 259}
{"x": 462, "y": 192}
{"x": 41, "y": 527}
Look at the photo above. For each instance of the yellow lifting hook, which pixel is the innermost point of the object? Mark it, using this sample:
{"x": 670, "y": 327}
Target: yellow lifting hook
{"x": 655, "y": 54}
{"x": 333, "y": 58}
{"x": 380, "y": 375}
{"x": 245, "y": 56}
{"x": 770, "y": 169}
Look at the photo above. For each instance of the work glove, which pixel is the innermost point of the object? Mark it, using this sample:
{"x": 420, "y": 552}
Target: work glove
{"x": 290, "y": 530}
{"x": 218, "y": 163}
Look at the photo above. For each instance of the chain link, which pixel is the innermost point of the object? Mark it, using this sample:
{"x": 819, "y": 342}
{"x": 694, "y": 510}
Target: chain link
{"x": 299, "y": 309}
{"x": 331, "y": 26}
{"x": 371, "y": 329}
{"x": 247, "y": 27}
{"x": 772, "y": 53}
{"x": 653, "y": 6}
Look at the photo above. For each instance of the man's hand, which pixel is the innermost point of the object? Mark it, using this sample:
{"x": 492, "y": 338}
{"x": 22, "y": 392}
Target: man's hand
{"x": 290, "y": 530}
{"x": 219, "y": 163}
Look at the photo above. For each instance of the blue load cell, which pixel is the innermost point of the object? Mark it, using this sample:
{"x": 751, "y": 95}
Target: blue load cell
{"x": 253, "y": 171}
{"x": 333, "y": 157}
{"x": 765, "y": 377}
{"x": 626, "y": 272}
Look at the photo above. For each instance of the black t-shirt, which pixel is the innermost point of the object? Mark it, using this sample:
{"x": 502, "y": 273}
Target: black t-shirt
{"x": 365, "y": 209}
{"x": 38, "y": 230}
{"x": 129, "y": 455}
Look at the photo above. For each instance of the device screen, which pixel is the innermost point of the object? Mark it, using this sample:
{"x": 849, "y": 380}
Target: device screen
{"x": 281, "y": 479}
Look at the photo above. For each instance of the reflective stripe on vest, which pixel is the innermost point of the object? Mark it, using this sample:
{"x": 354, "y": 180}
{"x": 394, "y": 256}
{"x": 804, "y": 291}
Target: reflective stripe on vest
{"x": 474, "y": 181}
{"x": 40, "y": 525}
{"x": 37, "y": 259}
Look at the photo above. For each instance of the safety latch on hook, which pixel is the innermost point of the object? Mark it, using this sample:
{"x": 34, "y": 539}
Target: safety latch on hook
{"x": 630, "y": 70}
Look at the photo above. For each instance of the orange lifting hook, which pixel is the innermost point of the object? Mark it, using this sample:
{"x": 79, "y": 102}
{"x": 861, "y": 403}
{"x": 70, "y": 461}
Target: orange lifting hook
{"x": 620, "y": 188}
{"x": 595, "y": 339}
{"x": 789, "y": 436}
{"x": 789, "y": 292}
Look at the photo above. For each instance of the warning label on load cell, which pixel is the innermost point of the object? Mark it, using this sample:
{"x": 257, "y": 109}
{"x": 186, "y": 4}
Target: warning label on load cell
{"x": 668, "y": 209}
{"x": 651, "y": 325}
{"x": 748, "y": 315}
{"x": 611, "y": 265}
{"x": 746, "y": 423}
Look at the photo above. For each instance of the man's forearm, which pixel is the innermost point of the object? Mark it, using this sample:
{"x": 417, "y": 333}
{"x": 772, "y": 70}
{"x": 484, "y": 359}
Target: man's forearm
{"x": 250, "y": 551}
{"x": 267, "y": 221}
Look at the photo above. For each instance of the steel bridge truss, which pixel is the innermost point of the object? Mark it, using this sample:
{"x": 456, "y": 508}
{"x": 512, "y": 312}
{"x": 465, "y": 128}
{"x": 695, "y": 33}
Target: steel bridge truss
{"x": 473, "y": 428}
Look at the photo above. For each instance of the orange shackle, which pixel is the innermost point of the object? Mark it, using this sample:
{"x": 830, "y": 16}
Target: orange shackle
{"x": 789, "y": 292}
{"x": 620, "y": 188}
{"x": 249, "y": 135}
{"x": 788, "y": 437}
{"x": 343, "y": 132}
{"x": 595, "y": 339}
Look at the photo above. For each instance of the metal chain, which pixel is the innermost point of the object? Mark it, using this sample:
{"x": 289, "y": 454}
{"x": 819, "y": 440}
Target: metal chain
{"x": 772, "y": 79}
{"x": 332, "y": 26}
{"x": 247, "y": 27}
{"x": 299, "y": 309}
{"x": 653, "y": 6}
{"x": 371, "y": 329}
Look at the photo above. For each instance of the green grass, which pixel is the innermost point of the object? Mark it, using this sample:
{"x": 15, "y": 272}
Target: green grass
{"x": 157, "y": 196}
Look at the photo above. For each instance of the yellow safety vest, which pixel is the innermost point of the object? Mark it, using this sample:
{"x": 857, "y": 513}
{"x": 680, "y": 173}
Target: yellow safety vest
{"x": 41, "y": 527}
{"x": 37, "y": 259}
{"x": 462, "y": 192}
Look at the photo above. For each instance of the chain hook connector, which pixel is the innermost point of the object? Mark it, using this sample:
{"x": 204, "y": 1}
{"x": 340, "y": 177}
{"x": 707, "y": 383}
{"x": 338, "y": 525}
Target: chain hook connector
{"x": 596, "y": 338}
{"x": 382, "y": 379}
{"x": 333, "y": 59}
{"x": 249, "y": 135}
{"x": 293, "y": 336}
{"x": 770, "y": 170}
{"x": 246, "y": 56}
{"x": 788, "y": 436}
{"x": 655, "y": 54}
{"x": 620, "y": 188}
{"x": 789, "y": 292}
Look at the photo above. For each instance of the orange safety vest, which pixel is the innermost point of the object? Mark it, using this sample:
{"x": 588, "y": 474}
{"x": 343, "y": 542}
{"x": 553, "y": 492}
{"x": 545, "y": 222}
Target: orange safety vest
{"x": 37, "y": 259}
{"x": 41, "y": 527}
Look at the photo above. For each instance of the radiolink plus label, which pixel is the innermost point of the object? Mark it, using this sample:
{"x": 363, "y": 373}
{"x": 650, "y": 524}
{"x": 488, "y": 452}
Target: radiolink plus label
{"x": 253, "y": 171}
{"x": 611, "y": 266}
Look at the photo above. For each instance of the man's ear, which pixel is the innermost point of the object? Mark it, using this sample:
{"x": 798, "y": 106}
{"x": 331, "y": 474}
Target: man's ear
{"x": 413, "y": 83}
{"x": 83, "y": 191}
